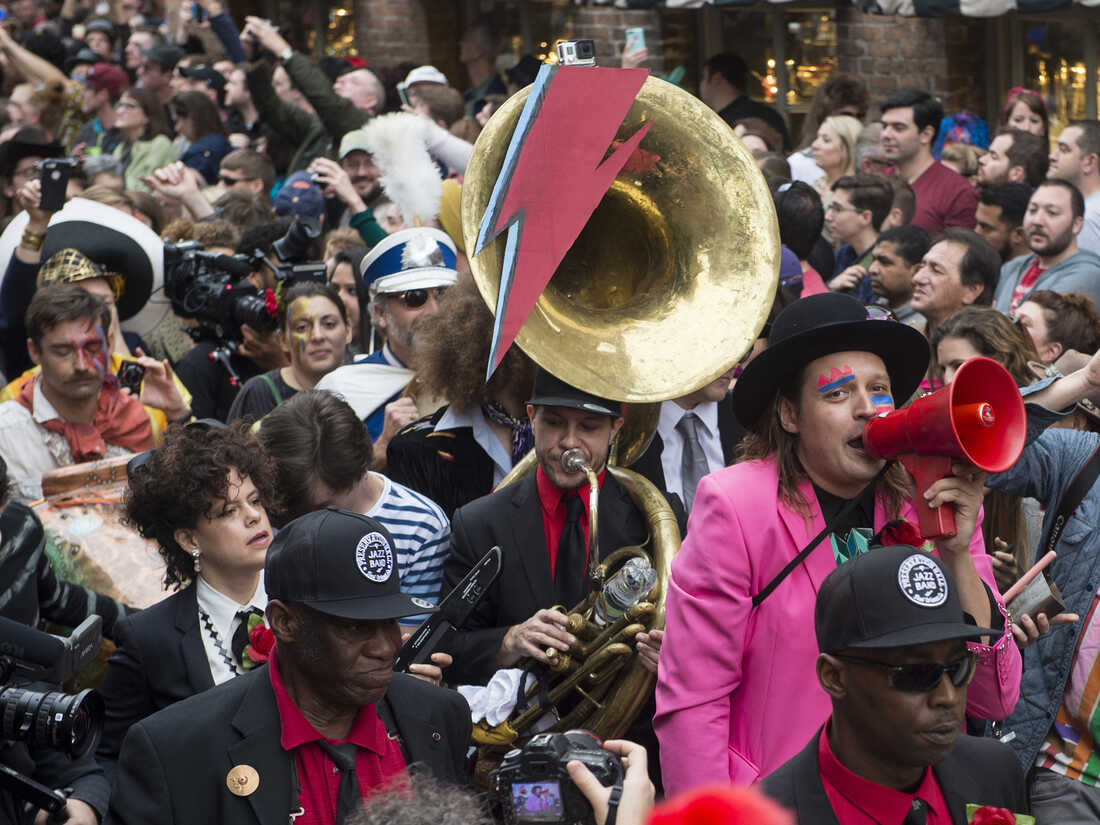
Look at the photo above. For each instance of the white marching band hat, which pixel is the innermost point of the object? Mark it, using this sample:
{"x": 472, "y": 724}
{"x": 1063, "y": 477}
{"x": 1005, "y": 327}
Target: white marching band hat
{"x": 418, "y": 258}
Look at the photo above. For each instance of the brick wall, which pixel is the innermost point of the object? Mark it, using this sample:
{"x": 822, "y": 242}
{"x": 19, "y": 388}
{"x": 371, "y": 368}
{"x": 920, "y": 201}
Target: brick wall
{"x": 894, "y": 53}
{"x": 389, "y": 32}
{"x": 608, "y": 26}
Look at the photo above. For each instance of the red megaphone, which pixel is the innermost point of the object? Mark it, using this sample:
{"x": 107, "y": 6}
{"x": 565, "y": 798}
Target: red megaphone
{"x": 979, "y": 417}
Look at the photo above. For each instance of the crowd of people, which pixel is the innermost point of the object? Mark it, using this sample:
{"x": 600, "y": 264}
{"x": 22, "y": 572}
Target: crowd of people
{"x": 243, "y": 271}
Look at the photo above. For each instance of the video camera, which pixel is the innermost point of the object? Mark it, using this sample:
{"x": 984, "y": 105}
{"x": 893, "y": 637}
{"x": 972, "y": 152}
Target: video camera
{"x": 532, "y": 785}
{"x": 214, "y": 290}
{"x": 51, "y": 720}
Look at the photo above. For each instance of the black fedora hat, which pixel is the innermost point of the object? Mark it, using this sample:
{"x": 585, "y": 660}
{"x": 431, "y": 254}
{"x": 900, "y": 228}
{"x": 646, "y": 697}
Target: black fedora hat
{"x": 816, "y": 326}
{"x": 29, "y": 141}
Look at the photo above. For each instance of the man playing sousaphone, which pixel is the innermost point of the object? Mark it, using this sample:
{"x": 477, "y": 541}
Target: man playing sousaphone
{"x": 736, "y": 687}
{"x": 541, "y": 525}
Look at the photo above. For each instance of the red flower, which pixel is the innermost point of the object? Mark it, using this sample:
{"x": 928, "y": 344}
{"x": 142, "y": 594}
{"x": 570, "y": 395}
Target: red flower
{"x": 988, "y": 815}
{"x": 271, "y": 302}
{"x": 900, "y": 531}
{"x": 261, "y": 642}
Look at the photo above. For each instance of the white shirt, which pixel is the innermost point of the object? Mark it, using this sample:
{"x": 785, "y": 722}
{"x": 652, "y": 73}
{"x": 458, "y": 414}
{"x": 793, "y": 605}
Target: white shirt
{"x": 475, "y": 419}
{"x": 221, "y": 611}
{"x": 673, "y": 443}
{"x": 30, "y": 449}
{"x": 1089, "y": 236}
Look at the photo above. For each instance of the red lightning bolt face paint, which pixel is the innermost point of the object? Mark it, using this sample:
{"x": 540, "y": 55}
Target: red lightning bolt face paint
{"x": 837, "y": 377}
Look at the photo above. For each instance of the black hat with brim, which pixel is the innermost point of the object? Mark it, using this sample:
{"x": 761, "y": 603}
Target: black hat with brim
{"x": 551, "y": 391}
{"x": 28, "y": 142}
{"x": 820, "y": 325}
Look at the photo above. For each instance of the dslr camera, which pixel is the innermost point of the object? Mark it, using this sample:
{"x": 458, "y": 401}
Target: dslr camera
{"x": 46, "y": 719}
{"x": 532, "y": 785}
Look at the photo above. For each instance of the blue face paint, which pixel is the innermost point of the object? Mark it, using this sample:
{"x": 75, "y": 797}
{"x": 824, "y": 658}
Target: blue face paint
{"x": 882, "y": 403}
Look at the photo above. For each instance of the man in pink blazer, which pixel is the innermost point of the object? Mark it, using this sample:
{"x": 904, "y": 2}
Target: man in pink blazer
{"x": 737, "y": 694}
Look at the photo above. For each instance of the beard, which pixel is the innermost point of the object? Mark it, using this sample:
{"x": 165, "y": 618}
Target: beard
{"x": 1055, "y": 245}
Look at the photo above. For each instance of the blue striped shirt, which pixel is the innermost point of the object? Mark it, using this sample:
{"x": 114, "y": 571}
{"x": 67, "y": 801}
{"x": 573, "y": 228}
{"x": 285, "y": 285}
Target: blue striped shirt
{"x": 421, "y": 536}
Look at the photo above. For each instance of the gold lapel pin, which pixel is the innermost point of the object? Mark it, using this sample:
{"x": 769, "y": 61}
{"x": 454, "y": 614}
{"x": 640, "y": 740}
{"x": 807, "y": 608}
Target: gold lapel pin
{"x": 242, "y": 780}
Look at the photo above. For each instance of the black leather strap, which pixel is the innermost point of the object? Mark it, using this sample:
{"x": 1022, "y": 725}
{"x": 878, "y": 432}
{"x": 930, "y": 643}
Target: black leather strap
{"x": 1072, "y": 497}
{"x": 845, "y": 511}
{"x": 613, "y": 803}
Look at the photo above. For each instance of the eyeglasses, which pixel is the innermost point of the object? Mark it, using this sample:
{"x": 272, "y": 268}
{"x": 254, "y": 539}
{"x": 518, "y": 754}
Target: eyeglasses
{"x": 127, "y": 104}
{"x": 922, "y": 677}
{"x": 225, "y": 180}
{"x": 416, "y": 298}
{"x": 839, "y": 207}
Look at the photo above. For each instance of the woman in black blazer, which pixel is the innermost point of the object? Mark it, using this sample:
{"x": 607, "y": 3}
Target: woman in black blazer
{"x": 203, "y": 497}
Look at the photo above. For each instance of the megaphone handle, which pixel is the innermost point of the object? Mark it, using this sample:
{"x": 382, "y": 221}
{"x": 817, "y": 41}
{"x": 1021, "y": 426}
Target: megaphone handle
{"x": 926, "y": 470}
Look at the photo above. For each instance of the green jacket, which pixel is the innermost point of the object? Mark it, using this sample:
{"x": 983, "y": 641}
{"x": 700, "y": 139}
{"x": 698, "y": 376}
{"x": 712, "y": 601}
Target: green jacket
{"x": 295, "y": 125}
{"x": 146, "y": 156}
{"x": 338, "y": 114}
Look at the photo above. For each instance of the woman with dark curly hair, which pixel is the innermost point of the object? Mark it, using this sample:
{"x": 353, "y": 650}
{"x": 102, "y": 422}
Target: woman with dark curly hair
{"x": 462, "y": 450}
{"x": 203, "y": 497}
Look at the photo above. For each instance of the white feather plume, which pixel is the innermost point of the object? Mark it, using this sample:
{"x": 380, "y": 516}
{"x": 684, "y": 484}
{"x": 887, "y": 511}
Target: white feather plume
{"x": 409, "y": 176}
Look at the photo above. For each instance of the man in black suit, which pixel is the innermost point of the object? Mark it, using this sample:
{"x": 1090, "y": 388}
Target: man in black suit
{"x": 326, "y": 719}
{"x": 544, "y": 550}
{"x": 894, "y": 660}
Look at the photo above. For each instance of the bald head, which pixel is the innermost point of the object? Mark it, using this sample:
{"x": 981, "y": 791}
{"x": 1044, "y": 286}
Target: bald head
{"x": 362, "y": 88}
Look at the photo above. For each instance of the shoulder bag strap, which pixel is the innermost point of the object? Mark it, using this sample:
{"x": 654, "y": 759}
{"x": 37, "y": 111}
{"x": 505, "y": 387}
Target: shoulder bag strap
{"x": 1072, "y": 497}
{"x": 267, "y": 379}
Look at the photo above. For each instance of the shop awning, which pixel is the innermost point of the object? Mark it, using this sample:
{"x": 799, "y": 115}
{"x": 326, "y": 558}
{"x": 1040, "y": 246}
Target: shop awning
{"x": 920, "y": 8}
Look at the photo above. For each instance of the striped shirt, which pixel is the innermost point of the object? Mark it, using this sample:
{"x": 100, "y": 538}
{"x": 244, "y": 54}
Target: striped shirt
{"x": 422, "y": 537}
{"x": 1070, "y": 746}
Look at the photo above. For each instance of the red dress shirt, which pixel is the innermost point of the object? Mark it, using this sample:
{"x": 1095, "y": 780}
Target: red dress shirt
{"x": 552, "y": 499}
{"x": 378, "y": 760}
{"x": 859, "y": 801}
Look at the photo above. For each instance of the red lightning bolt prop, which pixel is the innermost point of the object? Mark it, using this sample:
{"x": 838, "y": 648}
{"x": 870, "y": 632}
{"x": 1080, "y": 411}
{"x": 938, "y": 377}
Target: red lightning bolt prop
{"x": 553, "y": 180}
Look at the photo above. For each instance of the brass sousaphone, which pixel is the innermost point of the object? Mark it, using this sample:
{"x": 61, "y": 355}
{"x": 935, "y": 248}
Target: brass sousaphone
{"x": 669, "y": 283}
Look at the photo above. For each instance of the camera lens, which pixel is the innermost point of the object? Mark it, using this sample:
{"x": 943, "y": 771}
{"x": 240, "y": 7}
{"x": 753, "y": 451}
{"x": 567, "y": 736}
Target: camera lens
{"x": 52, "y": 719}
{"x": 252, "y": 310}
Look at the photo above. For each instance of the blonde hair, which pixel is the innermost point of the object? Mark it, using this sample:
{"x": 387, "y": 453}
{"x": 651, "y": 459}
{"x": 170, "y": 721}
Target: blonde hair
{"x": 847, "y": 129}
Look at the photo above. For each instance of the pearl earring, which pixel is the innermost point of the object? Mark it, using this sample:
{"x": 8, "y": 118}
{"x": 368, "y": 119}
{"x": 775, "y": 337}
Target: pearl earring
{"x": 195, "y": 554}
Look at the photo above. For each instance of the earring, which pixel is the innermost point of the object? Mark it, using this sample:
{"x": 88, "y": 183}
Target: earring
{"x": 195, "y": 555}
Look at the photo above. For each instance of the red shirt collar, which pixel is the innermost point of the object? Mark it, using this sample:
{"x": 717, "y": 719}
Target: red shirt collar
{"x": 880, "y": 803}
{"x": 366, "y": 732}
{"x": 550, "y": 494}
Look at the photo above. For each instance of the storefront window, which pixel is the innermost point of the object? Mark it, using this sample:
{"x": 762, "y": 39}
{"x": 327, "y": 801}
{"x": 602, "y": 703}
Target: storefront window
{"x": 1054, "y": 66}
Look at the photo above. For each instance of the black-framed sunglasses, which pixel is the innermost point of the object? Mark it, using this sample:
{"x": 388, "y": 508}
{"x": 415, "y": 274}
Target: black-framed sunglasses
{"x": 416, "y": 298}
{"x": 922, "y": 677}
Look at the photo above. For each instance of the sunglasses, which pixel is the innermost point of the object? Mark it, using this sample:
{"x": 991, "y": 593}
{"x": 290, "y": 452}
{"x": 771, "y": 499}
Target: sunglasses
{"x": 416, "y": 298}
{"x": 923, "y": 677}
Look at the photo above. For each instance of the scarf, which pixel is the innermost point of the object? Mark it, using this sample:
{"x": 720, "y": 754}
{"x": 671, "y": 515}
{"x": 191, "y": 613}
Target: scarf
{"x": 522, "y": 439}
{"x": 120, "y": 419}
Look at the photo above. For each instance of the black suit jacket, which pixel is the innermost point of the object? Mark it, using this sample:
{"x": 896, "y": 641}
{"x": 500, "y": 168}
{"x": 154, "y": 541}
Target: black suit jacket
{"x": 512, "y": 518}
{"x": 173, "y": 765}
{"x": 979, "y": 771}
{"x": 159, "y": 660}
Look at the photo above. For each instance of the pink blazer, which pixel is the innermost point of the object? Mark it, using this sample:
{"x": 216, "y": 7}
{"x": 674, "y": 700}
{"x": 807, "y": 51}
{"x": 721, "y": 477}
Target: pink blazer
{"x": 737, "y": 691}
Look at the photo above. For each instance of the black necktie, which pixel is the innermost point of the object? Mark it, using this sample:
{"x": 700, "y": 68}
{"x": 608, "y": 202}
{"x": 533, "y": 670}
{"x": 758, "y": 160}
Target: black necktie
{"x": 570, "y": 569}
{"x": 349, "y": 794}
{"x": 240, "y": 635}
{"x": 918, "y": 813}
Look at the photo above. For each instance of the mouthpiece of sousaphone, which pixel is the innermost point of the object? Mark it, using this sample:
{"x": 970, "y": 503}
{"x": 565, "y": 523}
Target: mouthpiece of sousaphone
{"x": 574, "y": 461}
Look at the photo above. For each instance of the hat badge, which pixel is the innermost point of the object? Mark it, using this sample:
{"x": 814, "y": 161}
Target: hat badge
{"x": 921, "y": 581}
{"x": 374, "y": 557}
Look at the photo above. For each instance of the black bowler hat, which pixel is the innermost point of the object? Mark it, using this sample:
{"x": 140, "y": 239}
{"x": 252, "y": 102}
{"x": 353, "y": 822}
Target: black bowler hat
{"x": 891, "y": 597}
{"x": 816, "y": 326}
{"x": 551, "y": 391}
{"x": 339, "y": 563}
{"x": 28, "y": 141}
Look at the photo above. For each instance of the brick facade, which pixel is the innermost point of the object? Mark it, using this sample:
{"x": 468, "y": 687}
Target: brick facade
{"x": 388, "y": 32}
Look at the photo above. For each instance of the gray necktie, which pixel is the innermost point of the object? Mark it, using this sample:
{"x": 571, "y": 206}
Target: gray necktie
{"x": 693, "y": 464}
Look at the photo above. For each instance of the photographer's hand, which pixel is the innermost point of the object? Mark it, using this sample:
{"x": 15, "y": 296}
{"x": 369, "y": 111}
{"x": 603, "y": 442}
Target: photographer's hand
{"x": 265, "y": 349}
{"x": 638, "y": 793}
{"x": 38, "y": 220}
{"x": 77, "y": 813}
{"x": 333, "y": 180}
{"x": 265, "y": 34}
{"x": 159, "y": 390}
{"x": 177, "y": 182}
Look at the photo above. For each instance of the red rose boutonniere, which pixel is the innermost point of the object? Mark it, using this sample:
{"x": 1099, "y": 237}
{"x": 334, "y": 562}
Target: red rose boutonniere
{"x": 989, "y": 815}
{"x": 261, "y": 641}
{"x": 900, "y": 531}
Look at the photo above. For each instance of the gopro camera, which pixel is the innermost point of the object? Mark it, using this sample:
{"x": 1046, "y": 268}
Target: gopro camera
{"x": 532, "y": 785}
{"x": 54, "y": 174}
{"x": 577, "y": 53}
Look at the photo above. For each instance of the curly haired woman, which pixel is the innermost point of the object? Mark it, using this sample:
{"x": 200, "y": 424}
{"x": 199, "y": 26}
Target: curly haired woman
{"x": 203, "y": 497}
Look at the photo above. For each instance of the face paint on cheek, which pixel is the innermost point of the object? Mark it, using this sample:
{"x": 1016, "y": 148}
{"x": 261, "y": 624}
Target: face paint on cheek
{"x": 882, "y": 404}
{"x": 836, "y": 378}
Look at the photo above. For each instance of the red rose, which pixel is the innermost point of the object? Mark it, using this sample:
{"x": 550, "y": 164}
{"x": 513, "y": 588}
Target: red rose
{"x": 271, "y": 302}
{"x": 261, "y": 641}
{"x": 901, "y": 531}
{"x": 988, "y": 815}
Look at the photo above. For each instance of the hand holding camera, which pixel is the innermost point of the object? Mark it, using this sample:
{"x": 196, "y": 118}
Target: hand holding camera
{"x": 335, "y": 182}
{"x": 265, "y": 34}
{"x": 638, "y": 793}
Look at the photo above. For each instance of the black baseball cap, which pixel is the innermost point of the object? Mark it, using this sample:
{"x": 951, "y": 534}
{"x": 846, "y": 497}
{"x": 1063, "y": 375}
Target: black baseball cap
{"x": 551, "y": 391}
{"x": 211, "y": 77}
{"x": 164, "y": 54}
{"x": 339, "y": 563}
{"x": 891, "y": 597}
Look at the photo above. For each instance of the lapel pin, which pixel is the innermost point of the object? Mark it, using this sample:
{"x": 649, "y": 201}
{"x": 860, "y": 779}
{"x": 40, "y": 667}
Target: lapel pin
{"x": 242, "y": 780}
